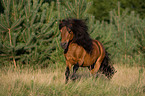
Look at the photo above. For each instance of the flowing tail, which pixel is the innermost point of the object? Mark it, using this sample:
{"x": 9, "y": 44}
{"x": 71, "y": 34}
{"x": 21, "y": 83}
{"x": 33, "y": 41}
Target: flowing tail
{"x": 106, "y": 68}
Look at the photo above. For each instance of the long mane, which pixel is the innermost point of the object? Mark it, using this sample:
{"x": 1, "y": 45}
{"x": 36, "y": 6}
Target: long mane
{"x": 81, "y": 36}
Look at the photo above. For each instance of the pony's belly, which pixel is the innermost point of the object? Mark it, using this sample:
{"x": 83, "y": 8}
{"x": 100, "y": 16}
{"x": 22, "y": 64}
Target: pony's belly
{"x": 88, "y": 62}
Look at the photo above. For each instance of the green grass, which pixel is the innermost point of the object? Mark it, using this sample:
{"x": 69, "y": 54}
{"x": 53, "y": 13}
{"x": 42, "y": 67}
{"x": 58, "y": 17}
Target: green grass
{"x": 128, "y": 81}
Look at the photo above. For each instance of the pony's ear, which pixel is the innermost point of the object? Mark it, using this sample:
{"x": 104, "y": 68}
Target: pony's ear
{"x": 60, "y": 24}
{"x": 60, "y": 21}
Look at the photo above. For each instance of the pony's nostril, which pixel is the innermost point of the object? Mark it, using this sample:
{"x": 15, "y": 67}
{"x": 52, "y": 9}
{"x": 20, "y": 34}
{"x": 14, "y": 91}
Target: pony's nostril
{"x": 63, "y": 45}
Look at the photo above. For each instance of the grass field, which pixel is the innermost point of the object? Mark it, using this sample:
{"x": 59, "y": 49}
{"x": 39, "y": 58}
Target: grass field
{"x": 128, "y": 81}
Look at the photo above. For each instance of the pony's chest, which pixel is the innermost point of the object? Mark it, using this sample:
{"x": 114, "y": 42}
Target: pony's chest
{"x": 75, "y": 54}
{"x": 71, "y": 58}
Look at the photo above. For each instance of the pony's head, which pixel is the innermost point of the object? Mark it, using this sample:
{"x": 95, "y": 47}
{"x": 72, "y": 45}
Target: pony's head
{"x": 66, "y": 37}
{"x": 75, "y": 30}
{"x": 66, "y": 33}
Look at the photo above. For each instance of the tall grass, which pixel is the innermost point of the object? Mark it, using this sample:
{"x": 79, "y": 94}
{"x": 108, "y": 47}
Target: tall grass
{"x": 128, "y": 81}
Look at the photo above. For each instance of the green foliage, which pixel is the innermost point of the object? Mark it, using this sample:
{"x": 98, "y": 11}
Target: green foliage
{"x": 125, "y": 36}
{"x": 122, "y": 37}
{"x": 26, "y": 31}
{"x": 75, "y": 9}
{"x": 29, "y": 31}
{"x": 101, "y": 8}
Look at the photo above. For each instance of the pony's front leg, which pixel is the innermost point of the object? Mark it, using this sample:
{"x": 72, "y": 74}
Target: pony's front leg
{"x": 75, "y": 68}
{"x": 67, "y": 72}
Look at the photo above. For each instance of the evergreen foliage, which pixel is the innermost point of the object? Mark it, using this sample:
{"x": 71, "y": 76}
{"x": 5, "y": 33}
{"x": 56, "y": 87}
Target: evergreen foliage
{"x": 26, "y": 31}
{"x": 75, "y": 9}
{"x": 29, "y": 32}
{"x": 1, "y": 8}
{"x": 101, "y": 8}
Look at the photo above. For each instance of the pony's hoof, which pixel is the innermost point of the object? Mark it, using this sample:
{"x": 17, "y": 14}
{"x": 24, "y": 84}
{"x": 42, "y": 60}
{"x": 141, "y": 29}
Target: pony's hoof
{"x": 66, "y": 81}
{"x": 92, "y": 72}
{"x": 97, "y": 75}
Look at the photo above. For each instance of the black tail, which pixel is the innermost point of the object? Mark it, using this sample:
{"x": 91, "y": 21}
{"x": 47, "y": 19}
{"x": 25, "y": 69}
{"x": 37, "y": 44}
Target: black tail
{"x": 106, "y": 68}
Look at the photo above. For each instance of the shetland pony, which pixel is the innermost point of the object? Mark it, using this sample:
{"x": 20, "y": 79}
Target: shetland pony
{"x": 82, "y": 51}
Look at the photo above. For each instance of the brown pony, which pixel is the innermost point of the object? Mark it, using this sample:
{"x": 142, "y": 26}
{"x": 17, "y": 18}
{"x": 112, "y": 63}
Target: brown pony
{"x": 82, "y": 51}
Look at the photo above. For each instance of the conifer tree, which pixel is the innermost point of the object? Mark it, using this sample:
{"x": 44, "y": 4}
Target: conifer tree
{"x": 26, "y": 31}
{"x": 75, "y": 9}
{"x": 29, "y": 31}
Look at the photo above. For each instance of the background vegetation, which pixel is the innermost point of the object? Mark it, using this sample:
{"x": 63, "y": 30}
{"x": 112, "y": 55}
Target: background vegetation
{"x": 29, "y": 31}
{"x": 103, "y": 7}
{"x": 29, "y": 36}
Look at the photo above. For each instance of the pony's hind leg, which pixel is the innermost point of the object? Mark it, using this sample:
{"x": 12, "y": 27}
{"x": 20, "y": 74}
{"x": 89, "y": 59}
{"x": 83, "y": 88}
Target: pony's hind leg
{"x": 91, "y": 68}
{"x": 96, "y": 67}
{"x": 75, "y": 68}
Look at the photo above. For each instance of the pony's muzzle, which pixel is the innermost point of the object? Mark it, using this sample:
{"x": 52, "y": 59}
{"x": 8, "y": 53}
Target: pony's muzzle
{"x": 64, "y": 45}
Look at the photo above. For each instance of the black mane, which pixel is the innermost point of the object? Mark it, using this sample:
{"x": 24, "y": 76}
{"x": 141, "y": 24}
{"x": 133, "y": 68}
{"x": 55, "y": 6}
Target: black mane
{"x": 79, "y": 28}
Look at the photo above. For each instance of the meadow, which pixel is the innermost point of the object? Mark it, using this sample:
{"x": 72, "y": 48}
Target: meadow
{"x": 32, "y": 61}
{"x": 128, "y": 81}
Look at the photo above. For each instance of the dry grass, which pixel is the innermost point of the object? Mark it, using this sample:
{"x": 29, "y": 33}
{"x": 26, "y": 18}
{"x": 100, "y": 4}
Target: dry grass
{"x": 126, "y": 76}
{"x": 46, "y": 82}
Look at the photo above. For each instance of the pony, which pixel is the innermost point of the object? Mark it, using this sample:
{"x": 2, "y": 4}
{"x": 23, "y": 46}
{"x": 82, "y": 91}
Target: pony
{"x": 80, "y": 50}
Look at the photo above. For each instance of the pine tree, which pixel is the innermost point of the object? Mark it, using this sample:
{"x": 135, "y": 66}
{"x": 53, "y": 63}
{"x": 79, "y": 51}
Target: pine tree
{"x": 75, "y": 9}
{"x": 29, "y": 31}
{"x": 10, "y": 30}
{"x": 26, "y": 31}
